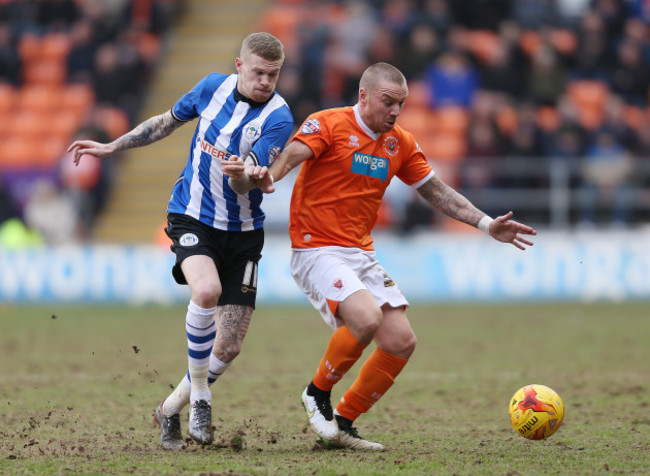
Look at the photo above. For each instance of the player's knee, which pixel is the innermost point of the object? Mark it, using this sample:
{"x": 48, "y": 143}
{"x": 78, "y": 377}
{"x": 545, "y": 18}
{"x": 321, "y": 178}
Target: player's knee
{"x": 400, "y": 344}
{"x": 367, "y": 326}
{"x": 206, "y": 295}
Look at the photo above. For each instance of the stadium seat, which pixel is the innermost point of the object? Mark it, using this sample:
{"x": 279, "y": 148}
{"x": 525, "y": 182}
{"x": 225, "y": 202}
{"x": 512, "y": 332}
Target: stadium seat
{"x": 483, "y": 44}
{"x": 452, "y": 119}
{"x": 548, "y": 118}
{"x": 28, "y": 124}
{"x": 443, "y": 147}
{"x": 564, "y": 41}
{"x": 114, "y": 120}
{"x": 29, "y": 48}
{"x": 17, "y": 153}
{"x": 41, "y": 98}
{"x": 589, "y": 97}
{"x": 78, "y": 98}
{"x": 51, "y": 149}
{"x": 419, "y": 121}
{"x": 8, "y": 95}
{"x": 51, "y": 72}
{"x": 64, "y": 123}
{"x": 507, "y": 120}
{"x": 530, "y": 41}
{"x": 55, "y": 47}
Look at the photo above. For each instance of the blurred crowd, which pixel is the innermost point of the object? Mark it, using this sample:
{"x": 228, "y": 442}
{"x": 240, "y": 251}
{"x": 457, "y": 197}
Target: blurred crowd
{"x": 68, "y": 69}
{"x": 490, "y": 80}
{"x": 508, "y": 98}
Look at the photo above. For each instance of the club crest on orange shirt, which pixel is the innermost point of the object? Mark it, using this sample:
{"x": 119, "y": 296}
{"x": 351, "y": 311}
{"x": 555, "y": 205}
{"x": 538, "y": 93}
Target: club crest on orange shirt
{"x": 311, "y": 126}
{"x": 391, "y": 145}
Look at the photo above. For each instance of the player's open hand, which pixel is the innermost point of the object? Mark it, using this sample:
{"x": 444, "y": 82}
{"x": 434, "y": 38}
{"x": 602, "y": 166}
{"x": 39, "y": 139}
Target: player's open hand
{"x": 80, "y": 148}
{"x": 509, "y": 231}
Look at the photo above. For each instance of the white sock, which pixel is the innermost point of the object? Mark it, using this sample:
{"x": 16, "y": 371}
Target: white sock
{"x": 180, "y": 397}
{"x": 201, "y": 332}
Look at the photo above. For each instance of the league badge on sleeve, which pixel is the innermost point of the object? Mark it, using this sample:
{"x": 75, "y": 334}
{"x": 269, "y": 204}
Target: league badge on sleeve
{"x": 274, "y": 152}
{"x": 311, "y": 126}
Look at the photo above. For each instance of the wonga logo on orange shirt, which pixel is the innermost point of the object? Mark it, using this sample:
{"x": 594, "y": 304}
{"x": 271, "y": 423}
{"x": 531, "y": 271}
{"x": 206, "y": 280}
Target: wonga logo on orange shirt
{"x": 370, "y": 165}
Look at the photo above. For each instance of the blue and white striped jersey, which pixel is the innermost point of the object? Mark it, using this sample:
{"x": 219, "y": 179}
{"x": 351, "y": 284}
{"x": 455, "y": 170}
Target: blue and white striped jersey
{"x": 226, "y": 126}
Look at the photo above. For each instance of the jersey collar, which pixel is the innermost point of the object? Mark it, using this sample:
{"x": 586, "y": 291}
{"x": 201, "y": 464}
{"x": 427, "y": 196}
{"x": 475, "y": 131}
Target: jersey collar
{"x": 362, "y": 125}
{"x": 240, "y": 97}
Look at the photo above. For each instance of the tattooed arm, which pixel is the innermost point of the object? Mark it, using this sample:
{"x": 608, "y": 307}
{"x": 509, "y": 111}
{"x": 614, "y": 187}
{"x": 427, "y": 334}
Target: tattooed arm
{"x": 444, "y": 198}
{"x": 151, "y": 130}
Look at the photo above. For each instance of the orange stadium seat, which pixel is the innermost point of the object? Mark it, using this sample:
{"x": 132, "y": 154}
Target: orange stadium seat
{"x": 282, "y": 21}
{"x": 114, "y": 120}
{"x": 52, "y": 72}
{"x": 55, "y": 47}
{"x": 590, "y": 97}
{"x": 8, "y": 95}
{"x": 50, "y": 149}
{"x": 64, "y": 123}
{"x": 418, "y": 121}
{"x": 17, "y": 153}
{"x": 564, "y": 41}
{"x": 28, "y": 124}
{"x": 507, "y": 120}
{"x": 548, "y": 118}
{"x": 483, "y": 44}
{"x": 29, "y": 48}
{"x": 452, "y": 119}
{"x": 40, "y": 97}
{"x": 78, "y": 98}
{"x": 419, "y": 95}
{"x": 530, "y": 41}
{"x": 635, "y": 117}
{"x": 443, "y": 147}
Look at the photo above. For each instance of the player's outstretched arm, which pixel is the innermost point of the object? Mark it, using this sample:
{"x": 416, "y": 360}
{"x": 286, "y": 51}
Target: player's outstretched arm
{"x": 444, "y": 198}
{"x": 151, "y": 130}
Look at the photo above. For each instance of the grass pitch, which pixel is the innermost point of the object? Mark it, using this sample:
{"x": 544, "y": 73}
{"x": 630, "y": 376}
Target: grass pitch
{"x": 78, "y": 386}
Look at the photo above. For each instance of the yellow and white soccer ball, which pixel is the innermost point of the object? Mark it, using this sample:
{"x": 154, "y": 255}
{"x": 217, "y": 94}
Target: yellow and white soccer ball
{"x": 536, "y": 411}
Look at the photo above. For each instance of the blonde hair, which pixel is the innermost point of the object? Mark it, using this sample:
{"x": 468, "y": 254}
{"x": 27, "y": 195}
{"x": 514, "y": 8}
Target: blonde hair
{"x": 263, "y": 45}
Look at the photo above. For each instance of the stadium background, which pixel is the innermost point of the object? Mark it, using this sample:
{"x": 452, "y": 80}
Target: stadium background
{"x": 536, "y": 106}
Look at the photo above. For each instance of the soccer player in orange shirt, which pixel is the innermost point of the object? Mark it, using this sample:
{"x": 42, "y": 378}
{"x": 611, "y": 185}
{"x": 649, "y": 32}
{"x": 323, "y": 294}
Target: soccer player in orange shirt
{"x": 349, "y": 156}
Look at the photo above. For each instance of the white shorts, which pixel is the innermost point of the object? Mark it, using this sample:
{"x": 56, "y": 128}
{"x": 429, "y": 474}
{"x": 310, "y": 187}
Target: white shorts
{"x": 333, "y": 273}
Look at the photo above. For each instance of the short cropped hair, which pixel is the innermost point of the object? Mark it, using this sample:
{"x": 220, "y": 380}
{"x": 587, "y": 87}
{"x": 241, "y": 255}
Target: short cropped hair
{"x": 378, "y": 71}
{"x": 263, "y": 45}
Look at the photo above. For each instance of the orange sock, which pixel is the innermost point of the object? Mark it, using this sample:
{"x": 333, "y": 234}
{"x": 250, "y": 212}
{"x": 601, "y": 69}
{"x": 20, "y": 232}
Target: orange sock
{"x": 342, "y": 352}
{"x": 376, "y": 376}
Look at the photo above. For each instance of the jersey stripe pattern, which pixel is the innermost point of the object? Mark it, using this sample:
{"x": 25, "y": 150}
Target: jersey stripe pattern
{"x": 226, "y": 127}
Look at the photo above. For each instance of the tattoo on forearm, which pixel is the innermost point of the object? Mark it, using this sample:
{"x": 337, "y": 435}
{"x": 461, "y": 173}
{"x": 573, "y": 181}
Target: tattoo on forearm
{"x": 151, "y": 130}
{"x": 232, "y": 324}
{"x": 444, "y": 198}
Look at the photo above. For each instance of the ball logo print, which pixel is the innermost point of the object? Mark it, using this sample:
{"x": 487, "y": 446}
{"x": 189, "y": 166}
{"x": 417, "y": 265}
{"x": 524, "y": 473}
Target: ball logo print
{"x": 536, "y": 411}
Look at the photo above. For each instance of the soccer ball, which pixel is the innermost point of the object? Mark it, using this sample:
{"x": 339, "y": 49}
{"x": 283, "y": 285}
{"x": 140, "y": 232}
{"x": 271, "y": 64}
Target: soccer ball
{"x": 536, "y": 411}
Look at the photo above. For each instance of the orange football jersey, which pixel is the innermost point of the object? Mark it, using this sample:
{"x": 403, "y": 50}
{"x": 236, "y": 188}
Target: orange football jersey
{"x": 338, "y": 191}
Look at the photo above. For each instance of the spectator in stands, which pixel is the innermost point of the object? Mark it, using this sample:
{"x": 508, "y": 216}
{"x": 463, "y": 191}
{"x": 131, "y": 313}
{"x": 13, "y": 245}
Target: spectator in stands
{"x": 81, "y": 57}
{"x": 593, "y": 59}
{"x": 421, "y": 49}
{"x": 57, "y": 15}
{"x": 452, "y": 80}
{"x": 52, "y": 213}
{"x": 534, "y": 14}
{"x": 605, "y": 173}
{"x": 498, "y": 74}
{"x": 8, "y": 207}
{"x": 545, "y": 79}
{"x": 480, "y": 14}
{"x": 630, "y": 77}
{"x": 437, "y": 15}
{"x": 10, "y": 62}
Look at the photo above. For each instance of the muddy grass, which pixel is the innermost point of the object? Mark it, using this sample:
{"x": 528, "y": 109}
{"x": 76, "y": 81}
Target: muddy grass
{"x": 77, "y": 392}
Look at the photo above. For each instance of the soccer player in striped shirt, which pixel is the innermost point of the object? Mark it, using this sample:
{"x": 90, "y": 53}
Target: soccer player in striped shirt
{"x": 217, "y": 233}
{"x": 349, "y": 156}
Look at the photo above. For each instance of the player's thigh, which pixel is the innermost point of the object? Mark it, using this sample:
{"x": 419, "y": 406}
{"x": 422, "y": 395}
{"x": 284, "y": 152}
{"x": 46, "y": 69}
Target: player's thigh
{"x": 361, "y": 313}
{"x": 203, "y": 279}
{"x": 395, "y": 335}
